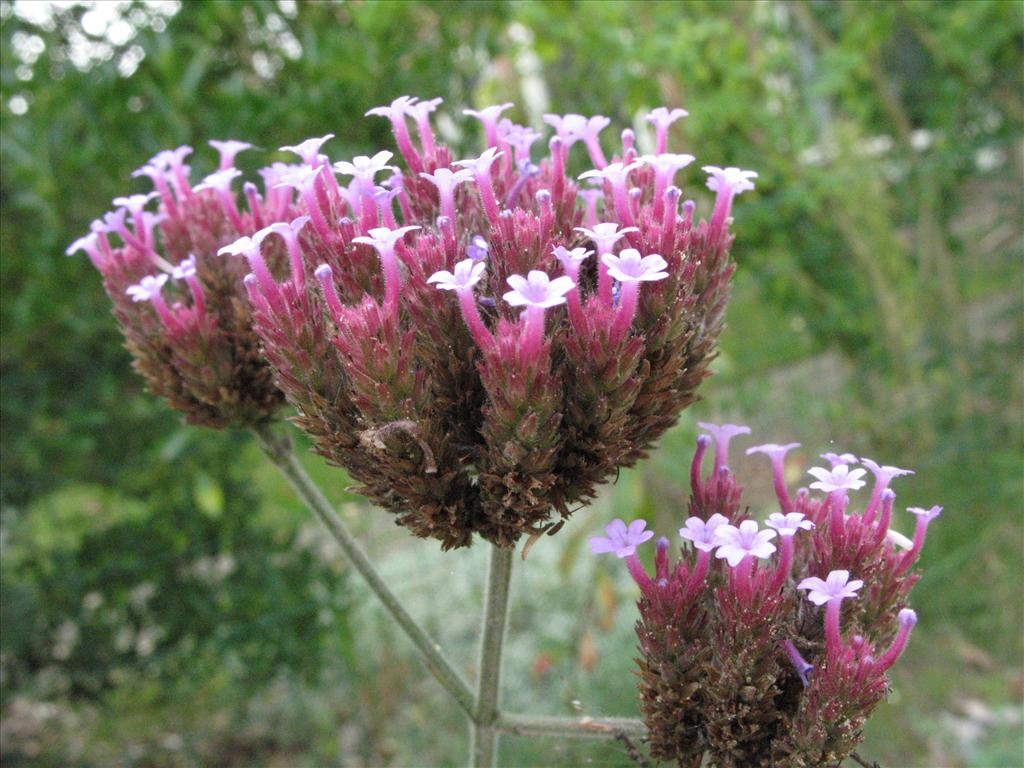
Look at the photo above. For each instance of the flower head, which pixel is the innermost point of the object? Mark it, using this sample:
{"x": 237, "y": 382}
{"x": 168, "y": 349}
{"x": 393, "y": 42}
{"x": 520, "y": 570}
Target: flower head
{"x": 731, "y": 179}
{"x": 788, "y": 524}
{"x": 468, "y": 273}
{"x": 147, "y": 288}
{"x": 702, "y": 532}
{"x": 185, "y": 269}
{"x": 734, "y": 543}
{"x": 839, "y": 478}
{"x": 629, "y": 267}
{"x": 837, "y": 586}
{"x": 621, "y": 540}
{"x": 538, "y": 290}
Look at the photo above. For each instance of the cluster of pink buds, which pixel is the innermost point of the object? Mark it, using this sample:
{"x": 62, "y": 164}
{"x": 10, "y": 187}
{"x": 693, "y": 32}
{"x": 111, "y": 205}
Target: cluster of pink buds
{"x": 484, "y": 341}
{"x": 180, "y": 304}
{"x": 770, "y": 646}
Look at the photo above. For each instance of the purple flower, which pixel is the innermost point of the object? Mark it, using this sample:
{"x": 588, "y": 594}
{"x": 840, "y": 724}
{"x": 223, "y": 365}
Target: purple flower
{"x": 628, "y": 266}
{"x": 788, "y": 524}
{"x": 837, "y": 586}
{"x": 538, "y": 290}
{"x": 702, "y": 533}
{"x": 621, "y": 540}
{"x": 477, "y": 249}
{"x": 734, "y": 543}
{"x": 839, "y": 478}
{"x": 723, "y": 435}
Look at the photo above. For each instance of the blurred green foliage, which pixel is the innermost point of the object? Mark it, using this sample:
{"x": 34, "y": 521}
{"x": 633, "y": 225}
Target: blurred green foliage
{"x": 154, "y": 570}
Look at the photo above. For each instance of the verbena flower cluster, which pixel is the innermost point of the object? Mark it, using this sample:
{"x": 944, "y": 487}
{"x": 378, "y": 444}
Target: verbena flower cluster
{"x": 485, "y": 341}
{"x": 188, "y": 326}
{"x": 478, "y": 342}
{"x": 770, "y": 646}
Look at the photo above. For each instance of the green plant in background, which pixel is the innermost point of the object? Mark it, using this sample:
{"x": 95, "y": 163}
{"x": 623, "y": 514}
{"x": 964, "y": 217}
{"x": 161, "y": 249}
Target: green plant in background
{"x": 771, "y": 85}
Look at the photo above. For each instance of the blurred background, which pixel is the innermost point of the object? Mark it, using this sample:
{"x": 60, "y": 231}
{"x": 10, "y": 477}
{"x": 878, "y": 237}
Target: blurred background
{"x": 167, "y": 602}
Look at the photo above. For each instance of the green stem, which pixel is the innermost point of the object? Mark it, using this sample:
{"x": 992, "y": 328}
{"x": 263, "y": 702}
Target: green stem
{"x": 570, "y": 727}
{"x": 484, "y": 734}
{"x": 278, "y": 449}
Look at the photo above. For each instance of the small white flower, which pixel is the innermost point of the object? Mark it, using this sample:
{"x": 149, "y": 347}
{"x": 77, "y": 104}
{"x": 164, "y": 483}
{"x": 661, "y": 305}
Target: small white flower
{"x": 729, "y": 178}
{"x": 571, "y": 260}
{"x": 308, "y": 149}
{"x": 187, "y": 268}
{"x": 481, "y": 165}
{"x": 839, "y": 478}
{"x": 836, "y": 587}
{"x": 468, "y": 273}
{"x": 148, "y": 288}
{"x": 663, "y": 118}
{"x": 788, "y": 524}
{"x": 538, "y": 290}
{"x": 365, "y": 168}
{"x": 629, "y": 267}
{"x": 219, "y": 180}
{"x": 614, "y": 173}
{"x": 668, "y": 163}
{"x": 445, "y": 179}
{"x": 605, "y": 235}
{"x": 383, "y": 238}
